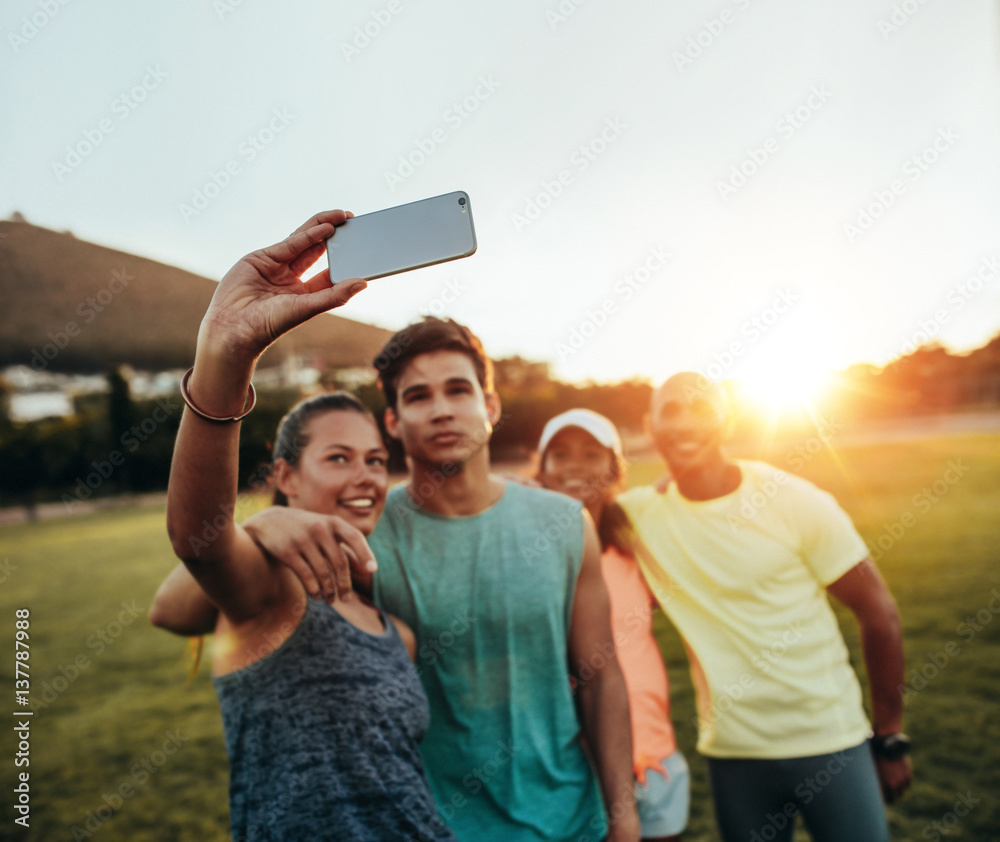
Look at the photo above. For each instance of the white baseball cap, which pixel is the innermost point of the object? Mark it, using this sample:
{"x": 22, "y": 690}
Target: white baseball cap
{"x": 587, "y": 420}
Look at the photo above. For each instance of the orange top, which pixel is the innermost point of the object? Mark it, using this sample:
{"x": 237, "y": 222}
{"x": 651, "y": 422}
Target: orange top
{"x": 641, "y": 662}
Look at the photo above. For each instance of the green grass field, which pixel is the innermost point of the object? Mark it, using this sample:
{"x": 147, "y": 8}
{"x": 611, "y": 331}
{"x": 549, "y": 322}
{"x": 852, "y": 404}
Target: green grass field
{"x": 124, "y": 748}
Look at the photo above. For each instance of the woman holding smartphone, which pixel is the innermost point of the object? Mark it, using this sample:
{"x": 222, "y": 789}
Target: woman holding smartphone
{"x": 322, "y": 708}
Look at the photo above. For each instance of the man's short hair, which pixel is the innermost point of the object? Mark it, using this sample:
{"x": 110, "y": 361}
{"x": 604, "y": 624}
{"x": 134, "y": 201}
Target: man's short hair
{"x": 423, "y": 337}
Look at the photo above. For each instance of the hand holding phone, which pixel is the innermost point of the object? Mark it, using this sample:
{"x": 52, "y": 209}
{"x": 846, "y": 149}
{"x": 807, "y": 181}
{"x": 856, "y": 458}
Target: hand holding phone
{"x": 402, "y": 238}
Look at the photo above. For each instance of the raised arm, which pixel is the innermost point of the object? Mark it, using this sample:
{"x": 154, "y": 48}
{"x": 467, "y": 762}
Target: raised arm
{"x": 863, "y": 590}
{"x": 260, "y": 298}
{"x": 601, "y": 691}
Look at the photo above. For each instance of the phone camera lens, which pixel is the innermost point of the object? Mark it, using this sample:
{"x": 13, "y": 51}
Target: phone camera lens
{"x": 461, "y": 201}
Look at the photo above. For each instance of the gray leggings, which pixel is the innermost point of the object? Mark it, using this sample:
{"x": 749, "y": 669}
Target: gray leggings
{"x": 838, "y": 795}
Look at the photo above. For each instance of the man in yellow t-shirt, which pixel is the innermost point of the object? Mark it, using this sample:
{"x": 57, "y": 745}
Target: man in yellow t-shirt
{"x": 741, "y": 556}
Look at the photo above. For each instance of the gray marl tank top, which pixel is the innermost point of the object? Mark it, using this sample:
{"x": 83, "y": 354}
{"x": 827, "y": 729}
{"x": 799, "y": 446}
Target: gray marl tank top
{"x": 322, "y": 735}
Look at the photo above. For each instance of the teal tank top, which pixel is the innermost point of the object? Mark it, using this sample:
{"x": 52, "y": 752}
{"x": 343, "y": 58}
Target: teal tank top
{"x": 489, "y": 597}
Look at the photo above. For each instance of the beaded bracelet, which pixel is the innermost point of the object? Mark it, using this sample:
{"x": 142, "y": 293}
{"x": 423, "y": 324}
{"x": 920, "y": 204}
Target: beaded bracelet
{"x": 186, "y": 396}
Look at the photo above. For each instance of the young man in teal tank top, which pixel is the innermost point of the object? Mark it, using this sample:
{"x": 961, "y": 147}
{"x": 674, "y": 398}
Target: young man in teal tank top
{"x": 523, "y": 565}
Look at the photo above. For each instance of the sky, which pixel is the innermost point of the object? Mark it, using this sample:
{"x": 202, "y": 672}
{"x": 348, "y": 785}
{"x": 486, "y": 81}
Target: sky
{"x": 749, "y": 189}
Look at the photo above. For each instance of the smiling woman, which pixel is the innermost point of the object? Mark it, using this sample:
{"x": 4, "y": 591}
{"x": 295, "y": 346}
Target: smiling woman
{"x": 329, "y": 458}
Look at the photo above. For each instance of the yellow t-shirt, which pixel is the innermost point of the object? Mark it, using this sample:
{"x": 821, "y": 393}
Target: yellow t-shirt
{"x": 743, "y": 579}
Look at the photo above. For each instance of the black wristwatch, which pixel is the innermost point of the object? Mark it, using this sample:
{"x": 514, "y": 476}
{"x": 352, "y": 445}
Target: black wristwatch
{"x": 891, "y": 746}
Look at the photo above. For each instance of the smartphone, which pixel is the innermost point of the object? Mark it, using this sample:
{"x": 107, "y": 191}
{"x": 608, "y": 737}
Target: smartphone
{"x": 402, "y": 238}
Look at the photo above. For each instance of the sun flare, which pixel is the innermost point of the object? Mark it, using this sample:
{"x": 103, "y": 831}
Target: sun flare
{"x": 794, "y": 386}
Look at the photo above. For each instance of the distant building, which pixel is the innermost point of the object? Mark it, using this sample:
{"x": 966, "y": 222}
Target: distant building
{"x": 35, "y": 395}
{"x": 33, "y": 406}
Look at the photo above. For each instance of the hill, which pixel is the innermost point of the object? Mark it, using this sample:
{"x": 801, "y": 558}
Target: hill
{"x": 73, "y": 306}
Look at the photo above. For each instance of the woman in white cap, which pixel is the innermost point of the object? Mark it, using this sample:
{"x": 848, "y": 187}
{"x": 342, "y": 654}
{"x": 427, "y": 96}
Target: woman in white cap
{"x": 581, "y": 456}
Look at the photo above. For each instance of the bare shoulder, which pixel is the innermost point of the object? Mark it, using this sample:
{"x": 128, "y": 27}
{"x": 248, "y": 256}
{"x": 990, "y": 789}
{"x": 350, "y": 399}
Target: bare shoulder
{"x": 253, "y": 638}
{"x": 407, "y": 635}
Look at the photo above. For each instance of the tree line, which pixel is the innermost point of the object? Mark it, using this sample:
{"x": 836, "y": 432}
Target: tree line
{"x": 116, "y": 444}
